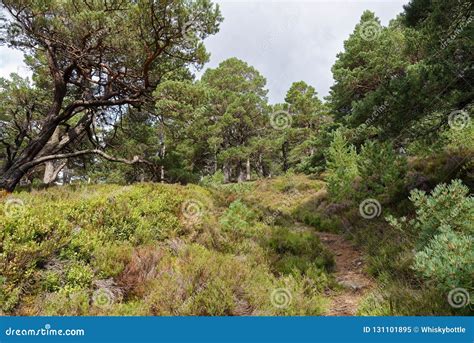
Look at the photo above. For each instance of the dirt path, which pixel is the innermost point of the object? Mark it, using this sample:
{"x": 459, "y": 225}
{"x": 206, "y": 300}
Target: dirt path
{"x": 349, "y": 274}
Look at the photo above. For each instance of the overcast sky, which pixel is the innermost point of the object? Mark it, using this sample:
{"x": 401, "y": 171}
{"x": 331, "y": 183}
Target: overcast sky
{"x": 286, "y": 41}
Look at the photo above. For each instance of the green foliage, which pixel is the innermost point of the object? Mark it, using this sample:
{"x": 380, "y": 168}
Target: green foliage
{"x": 397, "y": 297}
{"x": 445, "y": 233}
{"x": 342, "y": 167}
{"x": 308, "y": 214}
{"x": 87, "y": 232}
{"x": 460, "y": 138}
{"x": 298, "y": 251}
{"x": 448, "y": 206}
{"x": 211, "y": 180}
{"x": 238, "y": 219}
{"x": 79, "y": 276}
{"x": 404, "y": 84}
{"x": 448, "y": 259}
{"x": 381, "y": 170}
{"x": 68, "y": 244}
{"x": 51, "y": 281}
{"x": 235, "y": 113}
{"x": 386, "y": 81}
{"x": 111, "y": 258}
{"x": 133, "y": 61}
{"x": 64, "y": 303}
{"x": 305, "y": 114}
{"x": 207, "y": 283}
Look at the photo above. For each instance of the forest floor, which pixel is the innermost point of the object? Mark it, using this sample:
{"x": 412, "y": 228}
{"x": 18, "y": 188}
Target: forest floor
{"x": 338, "y": 283}
{"x": 349, "y": 274}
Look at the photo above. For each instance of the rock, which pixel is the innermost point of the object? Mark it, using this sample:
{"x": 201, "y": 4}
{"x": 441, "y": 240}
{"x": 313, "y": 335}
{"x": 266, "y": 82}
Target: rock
{"x": 351, "y": 285}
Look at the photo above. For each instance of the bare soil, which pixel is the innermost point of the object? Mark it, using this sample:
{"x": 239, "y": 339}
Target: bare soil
{"x": 349, "y": 274}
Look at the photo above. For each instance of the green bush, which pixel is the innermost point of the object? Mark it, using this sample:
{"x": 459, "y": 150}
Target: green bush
{"x": 445, "y": 235}
{"x": 298, "y": 251}
{"x": 51, "y": 281}
{"x": 135, "y": 243}
{"x": 398, "y": 297}
{"x": 321, "y": 222}
{"x": 448, "y": 259}
{"x": 61, "y": 240}
{"x": 79, "y": 275}
{"x": 209, "y": 283}
{"x": 238, "y": 219}
{"x": 66, "y": 302}
{"x": 381, "y": 170}
{"x": 342, "y": 167}
{"x": 213, "y": 180}
{"x": 110, "y": 259}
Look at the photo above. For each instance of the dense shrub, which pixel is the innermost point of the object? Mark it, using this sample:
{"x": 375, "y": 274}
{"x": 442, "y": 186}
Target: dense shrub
{"x": 398, "y": 297}
{"x": 208, "y": 283}
{"x": 111, "y": 250}
{"x": 445, "y": 234}
{"x": 213, "y": 180}
{"x": 448, "y": 259}
{"x": 381, "y": 170}
{"x": 61, "y": 240}
{"x": 341, "y": 167}
{"x": 298, "y": 251}
{"x": 238, "y": 219}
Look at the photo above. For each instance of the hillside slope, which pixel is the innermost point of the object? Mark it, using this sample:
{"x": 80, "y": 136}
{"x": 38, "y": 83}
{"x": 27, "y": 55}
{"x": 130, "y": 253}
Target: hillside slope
{"x": 153, "y": 249}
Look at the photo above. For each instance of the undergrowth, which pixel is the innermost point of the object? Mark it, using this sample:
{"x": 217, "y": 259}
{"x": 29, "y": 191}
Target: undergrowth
{"x": 153, "y": 249}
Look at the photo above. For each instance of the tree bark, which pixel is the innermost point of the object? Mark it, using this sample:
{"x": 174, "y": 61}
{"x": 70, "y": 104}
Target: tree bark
{"x": 242, "y": 174}
{"x": 51, "y": 168}
{"x": 9, "y": 180}
{"x": 162, "y": 167}
{"x": 249, "y": 176}
{"x": 215, "y": 163}
{"x": 12, "y": 176}
{"x": 51, "y": 171}
{"x": 284, "y": 151}
{"x": 227, "y": 172}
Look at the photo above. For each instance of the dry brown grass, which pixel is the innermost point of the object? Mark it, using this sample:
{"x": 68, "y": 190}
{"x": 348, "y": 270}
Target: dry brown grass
{"x": 141, "y": 268}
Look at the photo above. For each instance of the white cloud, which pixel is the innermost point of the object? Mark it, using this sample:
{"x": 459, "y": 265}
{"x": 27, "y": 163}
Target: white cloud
{"x": 286, "y": 41}
{"x": 289, "y": 41}
{"x": 11, "y": 61}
